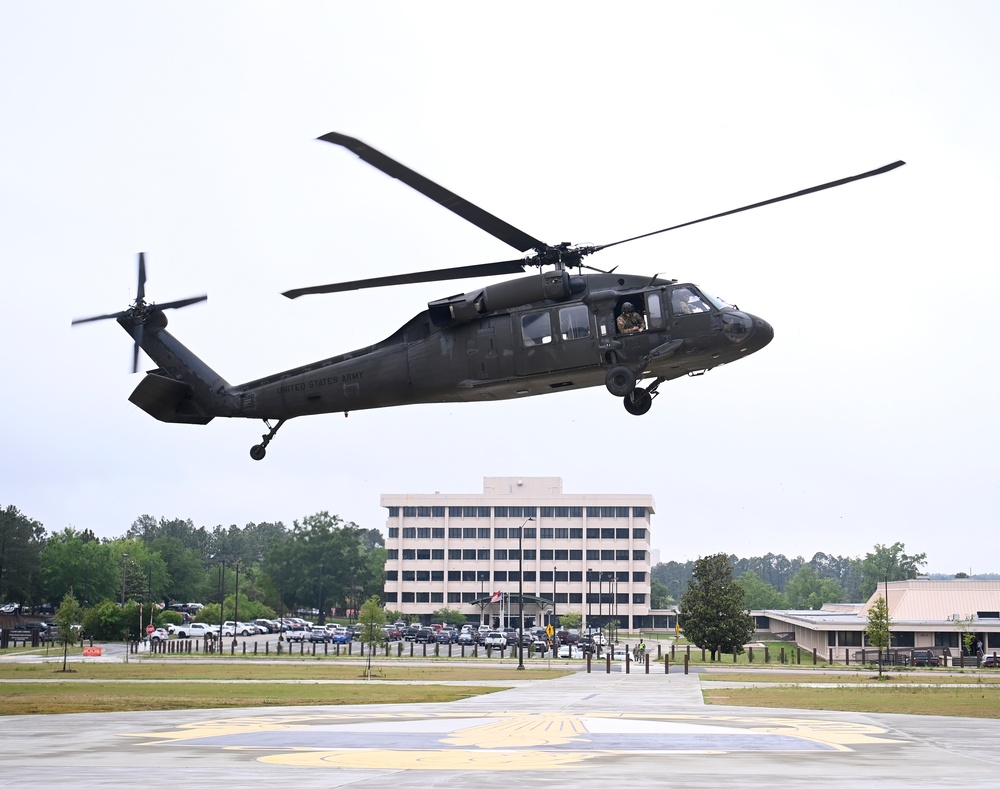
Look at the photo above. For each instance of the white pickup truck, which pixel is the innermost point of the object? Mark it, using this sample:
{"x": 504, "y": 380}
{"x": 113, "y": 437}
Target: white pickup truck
{"x": 195, "y": 630}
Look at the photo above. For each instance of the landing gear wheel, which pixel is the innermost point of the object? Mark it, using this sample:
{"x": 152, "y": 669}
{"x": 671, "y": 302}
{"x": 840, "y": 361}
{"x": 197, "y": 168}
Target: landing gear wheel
{"x": 257, "y": 452}
{"x": 638, "y": 402}
{"x": 620, "y": 381}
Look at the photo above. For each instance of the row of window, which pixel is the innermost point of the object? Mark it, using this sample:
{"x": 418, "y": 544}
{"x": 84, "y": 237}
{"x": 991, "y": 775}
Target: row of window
{"x": 501, "y": 533}
{"x": 435, "y": 576}
{"x": 469, "y": 597}
{"x": 517, "y": 512}
{"x": 513, "y": 555}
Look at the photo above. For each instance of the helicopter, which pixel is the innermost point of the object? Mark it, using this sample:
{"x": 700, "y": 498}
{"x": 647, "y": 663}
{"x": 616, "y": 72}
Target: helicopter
{"x": 551, "y": 331}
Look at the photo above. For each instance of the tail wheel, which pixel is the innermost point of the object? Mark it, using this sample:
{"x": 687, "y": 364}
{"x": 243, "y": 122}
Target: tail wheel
{"x": 620, "y": 381}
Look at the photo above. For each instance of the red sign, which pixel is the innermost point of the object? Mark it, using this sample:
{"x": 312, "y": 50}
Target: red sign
{"x": 149, "y": 630}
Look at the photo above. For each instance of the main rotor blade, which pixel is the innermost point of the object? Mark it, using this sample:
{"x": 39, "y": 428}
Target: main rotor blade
{"x": 173, "y": 305}
{"x": 436, "y": 275}
{"x": 136, "y": 334}
{"x": 109, "y": 316}
{"x": 141, "y": 290}
{"x": 471, "y": 213}
{"x": 810, "y": 190}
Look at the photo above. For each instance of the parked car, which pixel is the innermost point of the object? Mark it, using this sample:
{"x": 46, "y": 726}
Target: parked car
{"x": 298, "y": 635}
{"x": 924, "y": 657}
{"x": 196, "y": 630}
{"x": 425, "y": 635}
{"x": 466, "y": 637}
{"x": 320, "y": 634}
{"x": 158, "y": 635}
{"x": 991, "y": 661}
{"x": 341, "y": 636}
{"x": 495, "y": 639}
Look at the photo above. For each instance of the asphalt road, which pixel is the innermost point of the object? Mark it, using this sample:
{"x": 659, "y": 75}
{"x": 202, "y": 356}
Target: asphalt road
{"x": 624, "y": 729}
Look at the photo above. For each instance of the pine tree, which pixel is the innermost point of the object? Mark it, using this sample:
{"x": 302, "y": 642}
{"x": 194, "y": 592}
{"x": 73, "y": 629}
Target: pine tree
{"x": 712, "y": 612}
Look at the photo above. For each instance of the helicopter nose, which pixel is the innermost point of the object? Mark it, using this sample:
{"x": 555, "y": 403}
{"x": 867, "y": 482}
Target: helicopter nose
{"x": 762, "y": 332}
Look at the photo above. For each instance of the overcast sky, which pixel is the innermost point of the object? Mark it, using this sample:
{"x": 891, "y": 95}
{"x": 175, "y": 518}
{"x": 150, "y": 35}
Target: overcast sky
{"x": 187, "y": 130}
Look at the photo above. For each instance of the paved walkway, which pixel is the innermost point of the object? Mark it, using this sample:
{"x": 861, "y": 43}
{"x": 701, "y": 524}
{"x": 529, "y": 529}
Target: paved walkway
{"x": 625, "y": 729}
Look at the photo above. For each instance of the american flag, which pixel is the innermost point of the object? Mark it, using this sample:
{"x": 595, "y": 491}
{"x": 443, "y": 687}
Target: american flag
{"x": 496, "y": 597}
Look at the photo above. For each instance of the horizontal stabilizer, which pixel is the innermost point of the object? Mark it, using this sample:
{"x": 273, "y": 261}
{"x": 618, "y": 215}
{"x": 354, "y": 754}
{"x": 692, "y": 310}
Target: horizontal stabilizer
{"x": 168, "y": 400}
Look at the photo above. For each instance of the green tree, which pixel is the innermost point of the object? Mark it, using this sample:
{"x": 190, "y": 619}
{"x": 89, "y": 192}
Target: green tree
{"x": 807, "y": 590}
{"x": 571, "y": 620}
{"x": 712, "y": 612}
{"x": 448, "y": 616}
{"x": 758, "y": 595}
{"x": 21, "y": 542}
{"x": 879, "y": 628}
{"x": 68, "y": 615}
{"x": 371, "y": 617}
{"x": 888, "y": 562}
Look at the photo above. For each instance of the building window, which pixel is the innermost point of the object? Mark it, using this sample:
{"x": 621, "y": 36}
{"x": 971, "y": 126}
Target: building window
{"x": 607, "y": 534}
{"x": 392, "y": 553}
{"x": 454, "y": 575}
{"x": 576, "y": 555}
{"x": 437, "y": 553}
{"x": 500, "y": 575}
{"x": 607, "y": 556}
{"x": 409, "y": 512}
{"x": 548, "y": 512}
{"x": 513, "y": 575}
{"x": 548, "y": 534}
{"x": 576, "y": 512}
{"x": 409, "y": 553}
{"x": 454, "y": 533}
{"x": 469, "y": 534}
{"x": 529, "y": 575}
{"x": 500, "y": 554}
{"x": 500, "y": 512}
{"x": 529, "y": 554}
{"x": 393, "y": 532}
{"x": 407, "y": 597}
{"x": 621, "y": 512}
{"x": 621, "y": 534}
{"x": 638, "y": 512}
{"x": 484, "y": 534}
{"x": 437, "y": 512}
{"x": 409, "y": 575}
{"x": 546, "y": 555}
{"x": 437, "y": 597}
{"x": 470, "y": 512}
{"x": 621, "y": 556}
{"x": 576, "y": 576}
{"x": 454, "y": 554}
{"x": 454, "y": 597}
{"x": 500, "y": 534}
{"x": 468, "y": 575}
{"x": 424, "y": 554}
{"x": 593, "y": 534}
{"x": 423, "y": 576}
{"x": 437, "y": 576}
{"x": 638, "y": 556}
{"x": 393, "y": 512}
{"x": 530, "y": 532}
{"x": 482, "y": 575}
{"x": 390, "y": 597}
{"x": 391, "y": 575}
{"x": 575, "y": 597}
{"x": 638, "y": 599}
{"x": 639, "y": 577}
{"x": 409, "y": 533}
{"x": 482, "y": 554}
{"x": 561, "y": 556}
{"x": 454, "y": 512}
{"x": 946, "y": 640}
{"x": 423, "y": 512}
{"x": 437, "y": 533}
{"x": 546, "y": 575}
{"x": 638, "y": 534}
{"x": 562, "y": 512}
{"x": 609, "y": 512}
{"x": 423, "y": 597}
{"x": 562, "y": 534}
{"x": 593, "y": 512}
{"x": 469, "y": 554}
{"x": 468, "y": 597}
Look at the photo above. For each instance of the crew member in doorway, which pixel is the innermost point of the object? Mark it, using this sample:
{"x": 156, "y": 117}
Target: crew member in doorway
{"x": 630, "y": 321}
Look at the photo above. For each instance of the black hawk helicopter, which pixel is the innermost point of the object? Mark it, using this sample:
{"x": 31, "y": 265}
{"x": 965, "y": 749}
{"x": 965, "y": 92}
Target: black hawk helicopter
{"x": 547, "y": 332}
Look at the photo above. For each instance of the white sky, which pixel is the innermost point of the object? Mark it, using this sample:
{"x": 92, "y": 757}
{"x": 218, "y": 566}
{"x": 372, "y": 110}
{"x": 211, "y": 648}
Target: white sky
{"x": 188, "y": 129}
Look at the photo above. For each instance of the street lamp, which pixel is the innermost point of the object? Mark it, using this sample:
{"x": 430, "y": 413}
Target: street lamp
{"x": 236, "y": 603}
{"x": 124, "y": 558}
{"x": 554, "y": 621}
{"x": 520, "y": 593}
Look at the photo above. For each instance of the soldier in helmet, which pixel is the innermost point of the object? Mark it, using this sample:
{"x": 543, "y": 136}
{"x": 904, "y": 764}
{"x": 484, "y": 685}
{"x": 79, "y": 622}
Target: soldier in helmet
{"x": 630, "y": 321}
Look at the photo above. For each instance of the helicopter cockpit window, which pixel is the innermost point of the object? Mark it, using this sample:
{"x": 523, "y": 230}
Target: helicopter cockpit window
{"x": 654, "y": 310}
{"x": 574, "y": 322}
{"x": 536, "y": 328}
{"x": 686, "y": 301}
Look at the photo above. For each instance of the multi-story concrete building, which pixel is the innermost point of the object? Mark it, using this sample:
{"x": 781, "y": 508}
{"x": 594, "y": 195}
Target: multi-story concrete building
{"x": 476, "y": 552}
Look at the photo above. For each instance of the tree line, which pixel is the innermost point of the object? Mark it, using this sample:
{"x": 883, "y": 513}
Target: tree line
{"x": 320, "y": 562}
{"x": 773, "y": 581}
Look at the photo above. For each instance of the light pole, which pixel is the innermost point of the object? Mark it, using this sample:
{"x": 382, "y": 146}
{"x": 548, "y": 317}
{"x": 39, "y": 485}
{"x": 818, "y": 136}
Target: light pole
{"x": 222, "y": 598}
{"x": 124, "y": 559}
{"x": 590, "y": 598}
{"x": 236, "y": 603}
{"x": 554, "y": 621}
{"x": 520, "y": 594}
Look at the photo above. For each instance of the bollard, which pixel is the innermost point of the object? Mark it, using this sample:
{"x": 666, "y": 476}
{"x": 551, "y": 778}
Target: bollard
{"x": 831, "y": 656}
{"x": 302, "y": 648}
{"x": 798, "y": 656}
{"x": 245, "y": 647}
{"x": 628, "y": 662}
{"x": 734, "y": 656}
{"x": 588, "y": 662}
{"x": 607, "y": 660}
{"x": 750, "y": 654}
{"x": 782, "y": 656}
{"x": 767, "y": 655}
{"x": 687, "y": 662}
{"x": 232, "y": 647}
{"x": 814, "y": 656}
{"x": 647, "y": 656}
{"x": 666, "y": 664}
{"x": 267, "y": 647}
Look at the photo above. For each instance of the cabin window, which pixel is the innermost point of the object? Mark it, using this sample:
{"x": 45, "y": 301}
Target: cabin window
{"x": 574, "y": 322}
{"x": 536, "y": 328}
{"x": 654, "y": 310}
